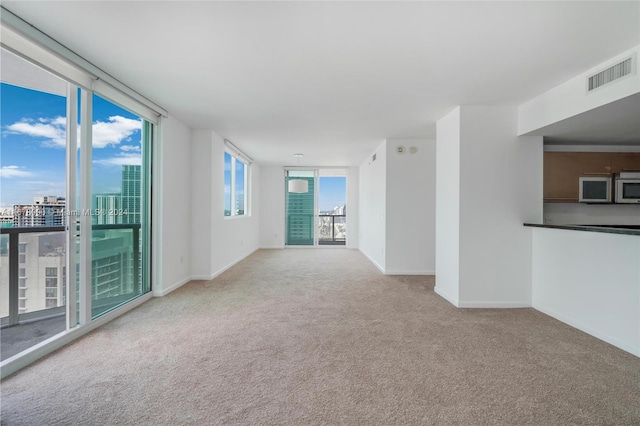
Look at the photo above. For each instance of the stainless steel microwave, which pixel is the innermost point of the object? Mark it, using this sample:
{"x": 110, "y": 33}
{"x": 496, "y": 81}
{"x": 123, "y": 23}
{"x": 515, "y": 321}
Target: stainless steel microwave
{"x": 595, "y": 189}
{"x": 628, "y": 188}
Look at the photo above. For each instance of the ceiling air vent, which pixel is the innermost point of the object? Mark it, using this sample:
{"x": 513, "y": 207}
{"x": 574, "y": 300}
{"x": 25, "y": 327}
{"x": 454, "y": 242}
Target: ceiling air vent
{"x": 611, "y": 74}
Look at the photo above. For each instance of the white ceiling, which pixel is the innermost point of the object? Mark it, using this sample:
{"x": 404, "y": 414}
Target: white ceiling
{"x": 334, "y": 79}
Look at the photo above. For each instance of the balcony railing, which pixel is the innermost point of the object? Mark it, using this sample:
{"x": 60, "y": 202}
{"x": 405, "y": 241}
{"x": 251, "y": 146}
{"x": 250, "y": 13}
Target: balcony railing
{"x": 34, "y": 278}
{"x": 13, "y": 316}
{"x": 332, "y": 229}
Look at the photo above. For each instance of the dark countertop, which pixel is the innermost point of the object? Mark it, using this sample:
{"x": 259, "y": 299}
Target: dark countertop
{"x": 608, "y": 229}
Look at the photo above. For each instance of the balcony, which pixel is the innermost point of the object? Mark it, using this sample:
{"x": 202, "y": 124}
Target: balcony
{"x": 33, "y": 279}
{"x": 332, "y": 229}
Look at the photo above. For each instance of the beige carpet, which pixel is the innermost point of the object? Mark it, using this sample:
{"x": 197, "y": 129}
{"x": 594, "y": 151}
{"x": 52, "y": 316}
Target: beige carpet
{"x": 321, "y": 337}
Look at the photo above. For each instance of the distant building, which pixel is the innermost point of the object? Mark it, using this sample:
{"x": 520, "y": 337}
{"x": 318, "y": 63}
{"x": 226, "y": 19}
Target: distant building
{"x": 41, "y": 272}
{"x": 340, "y": 210}
{"x": 6, "y": 217}
{"x": 46, "y": 210}
{"x": 240, "y": 204}
{"x": 124, "y": 207}
{"x": 108, "y": 203}
{"x": 131, "y": 193}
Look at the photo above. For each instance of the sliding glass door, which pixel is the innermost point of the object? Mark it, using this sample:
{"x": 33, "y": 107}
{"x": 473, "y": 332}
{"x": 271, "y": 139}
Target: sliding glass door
{"x": 33, "y": 248}
{"x": 119, "y": 204}
{"x": 315, "y": 207}
{"x": 76, "y": 193}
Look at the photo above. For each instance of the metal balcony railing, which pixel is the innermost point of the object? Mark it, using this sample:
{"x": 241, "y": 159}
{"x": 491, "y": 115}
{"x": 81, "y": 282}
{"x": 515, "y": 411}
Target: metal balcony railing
{"x": 332, "y": 228}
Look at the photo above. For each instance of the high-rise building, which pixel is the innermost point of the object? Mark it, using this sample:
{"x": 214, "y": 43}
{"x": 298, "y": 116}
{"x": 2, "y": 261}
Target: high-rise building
{"x": 41, "y": 272}
{"x": 124, "y": 207}
{"x": 131, "y": 193}
{"x": 106, "y": 203}
{"x": 240, "y": 204}
{"x": 46, "y": 210}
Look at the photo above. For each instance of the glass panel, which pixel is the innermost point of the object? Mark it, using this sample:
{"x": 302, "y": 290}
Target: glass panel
{"x": 4, "y": 276}
{"x": 119, "y": 200}
{"x": 332, "y": 224}
{"x": 595, "y": 190}
{"x": 43, "y": 271}
{"x": 300, "y": 212}
{"x": 33, "y": 181}
{"x": 227, "y": 183}
{"x": 239, "y": 194}
{"x": 631, "y": 190}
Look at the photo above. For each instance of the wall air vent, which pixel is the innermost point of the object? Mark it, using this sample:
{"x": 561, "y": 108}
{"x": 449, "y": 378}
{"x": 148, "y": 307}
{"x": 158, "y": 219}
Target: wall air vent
{"x": 611, "y": 74}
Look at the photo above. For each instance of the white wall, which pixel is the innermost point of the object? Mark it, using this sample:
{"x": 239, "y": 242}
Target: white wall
{"x": 591, "y": 214}
{"x": 218, "y": 242}
{"x": 175, "y": 194}
{"x": 448, "y": 207}
{"x": 410, "y": 206}
{"x": 500, "y": 188}
{"x": 353, "y": 207}
{"x": 571, "y": 98}
{"x": 591, "y": 281}
{"x": 372, "y": 204}
{"x": 271, "y": 207}
{"x": 201, "y": 202}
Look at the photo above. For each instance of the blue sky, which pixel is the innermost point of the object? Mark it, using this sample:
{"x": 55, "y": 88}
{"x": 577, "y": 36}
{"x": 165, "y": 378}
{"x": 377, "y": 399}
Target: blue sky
{"x": 33, "y": 140}
{"x": 332, "y": 192}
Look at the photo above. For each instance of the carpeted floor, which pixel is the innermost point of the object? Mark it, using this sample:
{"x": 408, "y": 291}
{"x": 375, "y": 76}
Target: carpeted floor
{"x": 321, "y": 337}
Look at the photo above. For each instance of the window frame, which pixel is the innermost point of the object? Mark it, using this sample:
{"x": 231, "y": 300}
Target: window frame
{"x": 233, "y": 213}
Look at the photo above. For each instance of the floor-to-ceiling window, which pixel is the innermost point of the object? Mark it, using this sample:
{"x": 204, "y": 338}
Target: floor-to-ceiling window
{"x": 315, "y": 207}
{"x": 119, "y": 188}
{"x": 75, "y": 202}
{"x": 32, "y": 204}
{"x": 332, "y": 206}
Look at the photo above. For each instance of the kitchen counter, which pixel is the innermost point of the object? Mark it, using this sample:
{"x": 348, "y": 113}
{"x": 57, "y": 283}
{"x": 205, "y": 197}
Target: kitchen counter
{"x": 609, "y": 229}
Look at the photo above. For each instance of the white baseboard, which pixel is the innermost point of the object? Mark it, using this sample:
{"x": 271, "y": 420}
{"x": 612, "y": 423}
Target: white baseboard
{"x": 372, "y": 261}
{"x": 446, "y": 296}
{"x": 182, "y": 282}
{"x": 576, "y": 324}
{"x": 165, "y": 291}
{"x": 494, "y": 304}
{"x": 202, "y": 277}
{"x": 271, "y": 247}
{"x": 408, "y": 272}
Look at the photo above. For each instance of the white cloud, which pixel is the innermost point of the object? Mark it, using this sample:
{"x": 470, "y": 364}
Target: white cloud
{"x": 121, "y": 159}
{"x": 9, "y": 172}
{"x": 128, "y": 148}
{"x": 114, "y": 131}
{"x": 49, "y": 129}
{"x": 54, "y": 130}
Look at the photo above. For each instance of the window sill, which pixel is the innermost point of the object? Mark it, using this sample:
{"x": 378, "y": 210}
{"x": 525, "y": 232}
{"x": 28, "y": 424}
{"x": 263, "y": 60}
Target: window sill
{"x": 237, "y": 217}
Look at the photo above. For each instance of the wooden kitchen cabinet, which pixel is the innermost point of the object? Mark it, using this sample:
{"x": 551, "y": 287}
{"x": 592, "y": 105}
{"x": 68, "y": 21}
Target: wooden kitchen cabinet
{"x": 594, "y": 163}
{"x": 625, "y": 162}
{"x": 561, "y": 173}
